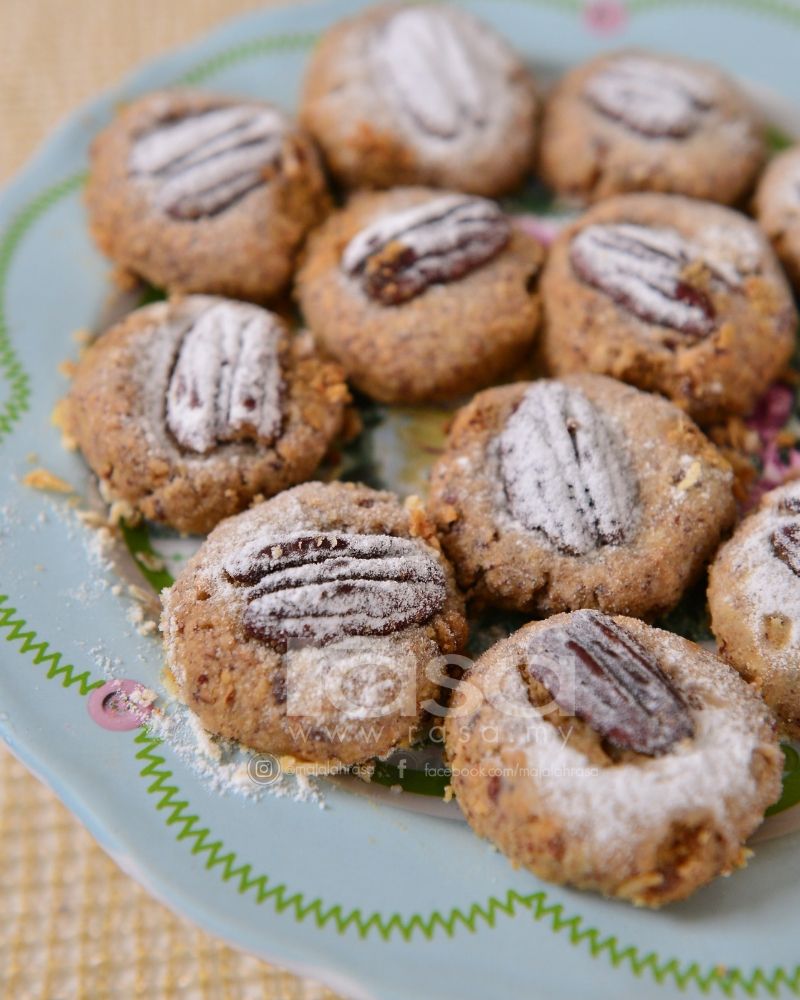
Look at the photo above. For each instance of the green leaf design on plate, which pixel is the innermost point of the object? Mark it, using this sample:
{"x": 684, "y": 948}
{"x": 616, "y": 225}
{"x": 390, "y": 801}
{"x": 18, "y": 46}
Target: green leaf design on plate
{"x": 791, "y": 781}
{"x": 150, "y": 562}
{"x": 777, "y": 139}
{"x": 417, "y": 782}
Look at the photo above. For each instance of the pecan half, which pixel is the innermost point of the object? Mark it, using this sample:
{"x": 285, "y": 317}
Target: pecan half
{"x": 321, "y": 587}
{"x": 597, "y": 671}
{"x": 650, "y": 97}
{"x": 201, "y": 164}
{"x": 564, "y": 471}
{"x": 641, "y": 269}
{"x": 401, "y": 254}
{"x": 785, "y": 543}
{"x": 226, "y": 384}
{"x": 423, "y": 59}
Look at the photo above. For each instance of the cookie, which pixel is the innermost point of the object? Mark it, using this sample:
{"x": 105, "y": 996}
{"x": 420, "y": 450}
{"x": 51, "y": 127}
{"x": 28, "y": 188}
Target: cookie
{"x": 754, "y": 597}
{"x": 609, "y": 755}
{"x": 676, "y": 296}
{"x": 777, "y": 207}
{"x": 641, "y": 121}
{"x": 421, "y": 295}
{"x": 312, "y": 624}
{"x": 189, "y": 409}
{"x": 580, "y": 493}
{"x": 425, "y": 94}
{"x": 196, "y": 192}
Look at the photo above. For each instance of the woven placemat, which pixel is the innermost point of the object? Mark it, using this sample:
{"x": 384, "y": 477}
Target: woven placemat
{"x": 73, "y": 925}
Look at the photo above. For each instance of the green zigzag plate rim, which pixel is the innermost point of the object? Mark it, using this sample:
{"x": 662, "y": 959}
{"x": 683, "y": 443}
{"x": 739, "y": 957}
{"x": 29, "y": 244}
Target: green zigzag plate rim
{"x": 727, "y": 980}
{"x": 190, "y": 827}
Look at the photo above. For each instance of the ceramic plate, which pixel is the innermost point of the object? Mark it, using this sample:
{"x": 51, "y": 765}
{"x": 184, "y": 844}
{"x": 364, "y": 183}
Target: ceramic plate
{"x": 381, "y": 894}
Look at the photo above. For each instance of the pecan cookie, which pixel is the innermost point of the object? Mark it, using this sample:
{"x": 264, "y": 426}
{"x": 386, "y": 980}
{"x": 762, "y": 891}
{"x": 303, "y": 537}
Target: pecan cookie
{"x": 201, "y": 193}
{"x": 420, "y": 294}
{"x": 754, "y": 597}
{"x": 426, "y": 94}
{"x": 778, "y": 208}
{"x": 638, "y": 121}
{"x": 189, "y": 409}
{"x": 579, "y": 493}
{"x": 673, "y": 295}
{"x": 609, "y": 755}
{"x": 313, "y": 624}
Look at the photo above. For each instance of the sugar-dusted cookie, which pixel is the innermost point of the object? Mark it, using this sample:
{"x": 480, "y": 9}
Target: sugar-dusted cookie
{"x": 421, "y": 294}
{"x": 189, "y": 409}
{"x": 201, "y": 193}
{"x": 421, "y": 94}
{"x": 754, "y": 597}
{"x": 641, "y": 121}
{"x": 579, "y": 493}
{"x": 311, "y": 625}
{"x": 609, "y": 755}
{"x": 777, "y": 206}
{"x": 673, "y": 295}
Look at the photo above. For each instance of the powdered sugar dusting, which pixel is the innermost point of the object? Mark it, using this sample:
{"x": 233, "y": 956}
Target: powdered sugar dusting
{"x": 708, "y": 775}
{"x": 640, "y": 268}
{"x": 655, "y": 98}
{"x": 201, "y": 164}
{"x": 441, "y": 240}
{"x": 771, "y": 584}
{"x": 350, "y": 680}
{"x": 564, "y": 470}
{"x": 226, "y": 384}
{"x": 731, "y": 251}
{"x": 224, "y": 766}
{"x": 446, "y": 80}
{"x": 322, "y": 586}
{"x": 423, "y": 58}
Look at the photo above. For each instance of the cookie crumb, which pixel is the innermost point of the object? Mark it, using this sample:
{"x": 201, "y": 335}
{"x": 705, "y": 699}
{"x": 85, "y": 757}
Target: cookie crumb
{"x": 58, "y": 418}
{"x": 691, "y": 478}
{"x": 83, "y": 337}
{"x": 91, "y": 518}
{"x": 150, "y": 561}
{"x": 41, "y": 479}
{"x": 139, "y": 594}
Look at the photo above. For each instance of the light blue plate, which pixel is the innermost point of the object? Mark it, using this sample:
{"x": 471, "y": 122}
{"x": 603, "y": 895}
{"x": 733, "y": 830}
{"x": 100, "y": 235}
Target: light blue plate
{"x": 378, "y": 901}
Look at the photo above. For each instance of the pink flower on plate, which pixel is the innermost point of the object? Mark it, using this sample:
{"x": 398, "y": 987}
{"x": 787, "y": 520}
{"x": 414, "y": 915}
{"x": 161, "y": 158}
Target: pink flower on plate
{"x": 778, "y": 464}
{"x": 773, "y": 410}
{"x": 540, "y": 227}
{"x": 605, "y": 17}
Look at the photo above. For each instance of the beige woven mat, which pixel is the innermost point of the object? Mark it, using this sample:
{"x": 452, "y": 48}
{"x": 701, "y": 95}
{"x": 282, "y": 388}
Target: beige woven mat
{"x": 72, "y": 925}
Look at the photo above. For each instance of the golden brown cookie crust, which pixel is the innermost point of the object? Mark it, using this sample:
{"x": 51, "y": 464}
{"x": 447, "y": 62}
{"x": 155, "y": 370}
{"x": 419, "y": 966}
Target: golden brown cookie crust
{"x": 447, "y": 341}
{"x": 361, "y": 131}
{"x": 720, "y": 374}
{"x": 684, "y": 504}
{"x": 240, "y": 687}
{"x": 754, "y": 598}
{"x": 777, "y": 207}
{"x": 589, "y": 155}
{"x": 247, "y": 251}
{"x": 651, "y": 830}
{"x": 115, "y": 412}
